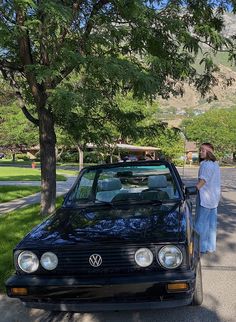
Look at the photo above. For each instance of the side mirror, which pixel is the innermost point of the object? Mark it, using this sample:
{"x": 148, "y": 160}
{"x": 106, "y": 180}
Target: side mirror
{"x": 190, "y": 190}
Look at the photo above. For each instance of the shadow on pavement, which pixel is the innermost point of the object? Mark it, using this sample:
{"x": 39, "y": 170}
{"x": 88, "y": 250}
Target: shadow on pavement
{"x": 184, "y": 314}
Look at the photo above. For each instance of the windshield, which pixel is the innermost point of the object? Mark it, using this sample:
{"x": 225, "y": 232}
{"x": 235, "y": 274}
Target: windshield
{"x": 123, "y": 185}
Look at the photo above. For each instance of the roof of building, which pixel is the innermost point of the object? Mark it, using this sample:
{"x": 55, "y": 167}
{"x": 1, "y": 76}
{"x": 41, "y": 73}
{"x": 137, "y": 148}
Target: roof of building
{"x": 136, "y": 148}
{"x": 191, "y": 146}
{"x": 130, "y": 147}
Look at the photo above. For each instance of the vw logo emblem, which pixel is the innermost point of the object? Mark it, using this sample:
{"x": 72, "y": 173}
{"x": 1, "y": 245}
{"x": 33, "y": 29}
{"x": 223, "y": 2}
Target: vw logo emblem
{"x": 95, "y": 260}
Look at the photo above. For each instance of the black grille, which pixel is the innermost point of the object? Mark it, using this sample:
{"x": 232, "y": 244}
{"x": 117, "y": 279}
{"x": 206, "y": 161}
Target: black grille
{"x": 115, "y": 259}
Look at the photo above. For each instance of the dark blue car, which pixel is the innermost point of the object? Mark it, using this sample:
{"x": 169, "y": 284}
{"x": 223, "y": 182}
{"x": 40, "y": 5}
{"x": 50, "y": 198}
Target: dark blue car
{"x": 123, "y": 239}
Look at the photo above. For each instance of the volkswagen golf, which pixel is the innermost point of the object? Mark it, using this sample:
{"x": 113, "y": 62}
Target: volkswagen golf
{"x": 123, "y": 239}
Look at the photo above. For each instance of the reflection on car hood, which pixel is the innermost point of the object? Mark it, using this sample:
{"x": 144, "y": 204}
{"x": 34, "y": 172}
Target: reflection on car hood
{"x": 70, "y": 226}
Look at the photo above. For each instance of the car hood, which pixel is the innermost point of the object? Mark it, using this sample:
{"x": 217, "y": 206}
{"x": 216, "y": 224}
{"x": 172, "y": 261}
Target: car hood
{"x": 70, "y": 226}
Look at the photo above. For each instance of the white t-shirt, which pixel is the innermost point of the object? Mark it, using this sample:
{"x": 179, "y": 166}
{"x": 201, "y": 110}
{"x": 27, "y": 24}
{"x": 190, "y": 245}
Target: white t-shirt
{"x": 210, "y": 192}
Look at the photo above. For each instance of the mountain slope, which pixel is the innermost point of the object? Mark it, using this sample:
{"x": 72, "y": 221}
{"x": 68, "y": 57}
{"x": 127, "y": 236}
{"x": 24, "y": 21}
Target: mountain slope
{"x": 225, "y": 95}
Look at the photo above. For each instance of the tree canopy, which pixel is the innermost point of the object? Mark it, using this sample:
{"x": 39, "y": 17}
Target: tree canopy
{"x": 15, "y": 130}
{"x": 217, "y": 126}
{"x": 111, "y": 46}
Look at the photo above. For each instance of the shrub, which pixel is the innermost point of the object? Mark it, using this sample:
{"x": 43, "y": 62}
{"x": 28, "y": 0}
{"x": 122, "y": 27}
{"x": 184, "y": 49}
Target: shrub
{"x": 93, "y": 157}
{"x": 22, "y": 156}
{"x": 69, "y": 156}
{"x": 178, "y": 162}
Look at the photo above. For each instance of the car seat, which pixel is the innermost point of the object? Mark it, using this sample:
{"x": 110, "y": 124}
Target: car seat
{"x": 108, "y": 188}
{"x": 155, "y": 191}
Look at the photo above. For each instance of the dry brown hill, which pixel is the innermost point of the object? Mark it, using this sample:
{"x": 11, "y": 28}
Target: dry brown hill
{"x": 226, "y": 95}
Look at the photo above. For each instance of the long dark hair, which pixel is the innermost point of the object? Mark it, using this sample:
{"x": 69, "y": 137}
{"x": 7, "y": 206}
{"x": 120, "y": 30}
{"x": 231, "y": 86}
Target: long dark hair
{"x": 209, "y": 155}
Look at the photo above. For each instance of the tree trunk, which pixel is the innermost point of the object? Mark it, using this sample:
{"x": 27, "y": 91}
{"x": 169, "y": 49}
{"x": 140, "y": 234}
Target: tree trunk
{"x": 58, "y": 154}
{"x": 111, "y": 154}
{"x": 47, "y": 139}
{"x": 81, "y": 158}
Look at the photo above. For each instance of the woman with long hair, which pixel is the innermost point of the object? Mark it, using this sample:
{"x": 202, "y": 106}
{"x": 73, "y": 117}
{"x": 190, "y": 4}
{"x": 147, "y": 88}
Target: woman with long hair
{"x": 208, "y": 198}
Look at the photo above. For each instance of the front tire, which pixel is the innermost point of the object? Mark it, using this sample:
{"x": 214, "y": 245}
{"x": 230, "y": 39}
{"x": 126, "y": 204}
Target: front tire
{"x": 198, "y": 293}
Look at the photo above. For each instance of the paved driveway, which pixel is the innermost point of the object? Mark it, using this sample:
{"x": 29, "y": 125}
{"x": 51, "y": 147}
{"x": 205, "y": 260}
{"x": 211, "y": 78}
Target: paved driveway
{"x": 219, "y": 278}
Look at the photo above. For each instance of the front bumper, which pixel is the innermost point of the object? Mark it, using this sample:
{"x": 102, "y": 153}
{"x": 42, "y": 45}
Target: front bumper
{"x": 99, "y": 294}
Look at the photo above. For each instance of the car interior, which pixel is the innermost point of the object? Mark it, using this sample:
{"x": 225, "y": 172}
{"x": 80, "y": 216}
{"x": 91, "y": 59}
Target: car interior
{"x": 153, "y": 187}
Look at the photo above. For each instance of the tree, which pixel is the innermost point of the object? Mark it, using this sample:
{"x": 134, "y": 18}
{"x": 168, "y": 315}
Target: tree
{"x": 217, "y": 126}
{"x": 169, "y": 141}
{"x": 7, "y": 95}
{"x": 109, "y": 121}
{"x": 15, "y": 130}
{"x": 124, "y": 45}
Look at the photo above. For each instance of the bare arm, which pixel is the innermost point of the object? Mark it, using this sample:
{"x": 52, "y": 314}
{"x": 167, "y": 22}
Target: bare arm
{"x": 200, "y": 184}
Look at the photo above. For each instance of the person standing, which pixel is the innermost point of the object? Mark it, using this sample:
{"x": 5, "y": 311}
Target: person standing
{"x": 208, "y": 198}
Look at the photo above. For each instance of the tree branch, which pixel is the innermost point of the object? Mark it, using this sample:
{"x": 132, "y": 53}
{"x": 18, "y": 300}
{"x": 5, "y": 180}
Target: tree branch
{"x": 90, "y": 22}
{"x": 64, "y": 31}
{"x": 27, "y": 113}
{"x": 212, "y": 47}
{"x": 27, "y": 59}
{"x": 11, "y": 66}
{"x": 61, "y": 39}
{"x": 87, "y": 31}
{"x": 5, "y": 16}
{"x": 19, "y": 97}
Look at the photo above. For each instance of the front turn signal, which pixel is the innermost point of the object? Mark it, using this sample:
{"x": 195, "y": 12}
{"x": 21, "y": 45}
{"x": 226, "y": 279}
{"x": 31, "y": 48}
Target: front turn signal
{"x": 19, "y": 291}
{"x": 177, "y": 287}
{"x": 190, "y": 248}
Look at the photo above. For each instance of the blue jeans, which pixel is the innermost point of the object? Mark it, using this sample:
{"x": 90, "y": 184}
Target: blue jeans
{"x": 206, "y": 225}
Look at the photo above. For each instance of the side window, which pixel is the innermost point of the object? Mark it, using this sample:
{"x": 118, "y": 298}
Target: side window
{"x": 84, "y": 188}
{"x": 86, "y": 184}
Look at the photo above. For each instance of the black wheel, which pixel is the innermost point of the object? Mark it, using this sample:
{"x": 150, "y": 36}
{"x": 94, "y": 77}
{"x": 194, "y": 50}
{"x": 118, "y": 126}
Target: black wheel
{"x": 198, "y": 293}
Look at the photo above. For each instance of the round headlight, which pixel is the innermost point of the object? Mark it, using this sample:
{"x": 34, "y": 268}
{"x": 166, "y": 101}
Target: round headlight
{"x": 49, "y": 261}
{"x": 170, "y": 256}
{"x": 28, "y": 262}
{"x": 143, "y": 257}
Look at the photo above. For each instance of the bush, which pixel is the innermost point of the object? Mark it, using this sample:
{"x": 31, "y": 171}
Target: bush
{"x": 68, "y": 156}
{"x": 115, "y": 158}
{"x": 22, "y": 156}
{"x": 93, "y": 157}
{"x": 178, "y": 162}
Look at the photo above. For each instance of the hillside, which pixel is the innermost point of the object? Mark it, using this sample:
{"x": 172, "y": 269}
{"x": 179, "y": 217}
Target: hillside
{"x": 191, "y": 101}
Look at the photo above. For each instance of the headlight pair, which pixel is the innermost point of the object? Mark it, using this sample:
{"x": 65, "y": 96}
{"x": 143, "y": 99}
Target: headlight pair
{"x": 169, "y": 257}
{"x": 29, "y": 262}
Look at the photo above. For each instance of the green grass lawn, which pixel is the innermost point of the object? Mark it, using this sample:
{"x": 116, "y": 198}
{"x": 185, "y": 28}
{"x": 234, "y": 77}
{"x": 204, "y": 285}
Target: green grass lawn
{"x": 19, "y": 162}
{"x": 23, "y": 174}
{"x": 68, "y": 172}
{"x": 13, "y": 227}
{"x": 8, "y": 193}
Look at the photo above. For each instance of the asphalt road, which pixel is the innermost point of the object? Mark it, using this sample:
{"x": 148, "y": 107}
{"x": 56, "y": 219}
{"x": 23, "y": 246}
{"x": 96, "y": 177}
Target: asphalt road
{"x": 219, "y": 279}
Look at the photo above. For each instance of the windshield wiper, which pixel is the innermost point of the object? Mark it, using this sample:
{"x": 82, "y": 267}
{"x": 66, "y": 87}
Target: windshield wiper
{"x": 103, "y": 203}
{"x": 132, "y": 201}
{"x": 149, "y": 201}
